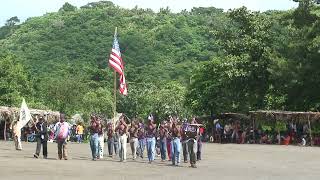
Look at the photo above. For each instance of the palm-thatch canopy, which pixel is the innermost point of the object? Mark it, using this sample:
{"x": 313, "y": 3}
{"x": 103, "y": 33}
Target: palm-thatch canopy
{"x": 302, "y": 117}
{"x": 10, "y": 114}
{"x": 233, "y": 116}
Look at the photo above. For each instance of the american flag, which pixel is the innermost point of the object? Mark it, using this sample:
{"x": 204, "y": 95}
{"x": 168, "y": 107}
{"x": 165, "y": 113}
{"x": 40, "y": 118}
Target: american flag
{"x": 123, "y": 86}
{"x": 115, "y": 61}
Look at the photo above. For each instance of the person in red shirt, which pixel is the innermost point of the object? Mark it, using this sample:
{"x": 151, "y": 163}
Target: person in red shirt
{"x": 176, "y": 143}
{"x": 133, "y": 133}
{"x": 151, "y": 138}
{"x": 122, "y": 129}
{"x": 163, "y": 133}
{"x": 95, "y": 127}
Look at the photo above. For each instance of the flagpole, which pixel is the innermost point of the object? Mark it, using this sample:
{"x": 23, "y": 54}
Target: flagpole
{"x": 114, "y": 91}
{"x": 115, "y": 95}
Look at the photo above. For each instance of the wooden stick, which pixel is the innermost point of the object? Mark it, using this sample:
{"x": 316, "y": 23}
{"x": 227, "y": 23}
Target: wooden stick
{"x": 310, "y": 131}
{"x": 114, "y": 91}
{"x": 279, "y": 137}
{"x": 114, "y": 97}
{"x": 5, "y": 130}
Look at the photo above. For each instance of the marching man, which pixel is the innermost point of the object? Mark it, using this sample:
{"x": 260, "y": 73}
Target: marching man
{"x": 192, "y": 132}
{"x": 95, "y": 127}
{"x": 61, "y": 134}
{"x": 134, "y": 142}
{"x": 121, "y": 129}
{"x": 175, "y": 143}
{"x": 151, "y": 140}
{"x": 42, "y": 137}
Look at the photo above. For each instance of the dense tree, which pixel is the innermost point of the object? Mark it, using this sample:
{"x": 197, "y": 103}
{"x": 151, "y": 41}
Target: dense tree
{"x": 10, "y": 26}
{"x": 14, "y": 83}
{"x": 205, "y": 61}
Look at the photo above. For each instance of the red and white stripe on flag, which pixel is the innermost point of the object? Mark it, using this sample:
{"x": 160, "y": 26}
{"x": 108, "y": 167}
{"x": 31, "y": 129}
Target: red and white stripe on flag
{"x": 123, "y": 86}
{"x": 115, "y": 60}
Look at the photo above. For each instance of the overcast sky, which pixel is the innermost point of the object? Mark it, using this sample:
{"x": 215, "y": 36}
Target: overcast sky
{"x": 29, "y": 8}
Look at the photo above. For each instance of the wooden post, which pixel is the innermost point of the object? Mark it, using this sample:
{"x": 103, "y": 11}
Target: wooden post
{"x": 253, "y": 128}
{"x": 279, "y": 140}
{"x": 115, "y": 94}
{"x": 310, "y": 131}
{"x": 5, "y": 130}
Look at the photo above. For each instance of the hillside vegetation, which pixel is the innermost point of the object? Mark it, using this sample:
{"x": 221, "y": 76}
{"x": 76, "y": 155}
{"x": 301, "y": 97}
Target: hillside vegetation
{"x": 202, "y": 61}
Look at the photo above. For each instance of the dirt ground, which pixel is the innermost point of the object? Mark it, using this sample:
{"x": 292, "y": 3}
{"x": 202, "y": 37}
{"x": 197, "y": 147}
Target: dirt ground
{"x": 230, "y": 161}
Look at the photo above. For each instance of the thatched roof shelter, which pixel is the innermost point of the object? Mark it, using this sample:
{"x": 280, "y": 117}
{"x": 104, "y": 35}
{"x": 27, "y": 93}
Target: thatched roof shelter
{"x": 234, "y": 116}
{"x": 10, "y": 114}
{"x": 302, "y": 117}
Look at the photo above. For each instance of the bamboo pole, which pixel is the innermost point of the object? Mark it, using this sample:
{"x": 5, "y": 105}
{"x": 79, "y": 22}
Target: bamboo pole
{"x": 279, "y": 135}
{"x": 114, "y": 96}
{"x": 114, "y": 90}
{"x": 279, "y": 140}
{"x": 310, "y": 131}
{"x": 253, "y": 129}
{"x": 5, "y": 130}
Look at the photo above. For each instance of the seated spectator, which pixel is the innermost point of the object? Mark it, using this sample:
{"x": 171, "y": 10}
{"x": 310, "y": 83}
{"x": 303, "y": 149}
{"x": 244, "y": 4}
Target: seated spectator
{"x": 286, "y": 140}
{"x": 243, "y": 136}
{"x": 218, "y": 131}
{"x": 303, "y": 141}
{"x": 265, "y": 139}
{"x": 316, "y": 141}
{"x": 227, "y": 133}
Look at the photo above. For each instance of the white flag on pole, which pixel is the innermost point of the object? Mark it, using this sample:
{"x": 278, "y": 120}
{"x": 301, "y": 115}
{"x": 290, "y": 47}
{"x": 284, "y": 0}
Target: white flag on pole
{"x": 25, "y": 114}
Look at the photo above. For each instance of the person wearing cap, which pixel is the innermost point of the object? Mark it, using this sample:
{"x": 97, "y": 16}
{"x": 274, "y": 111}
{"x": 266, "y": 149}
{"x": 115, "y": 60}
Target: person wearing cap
{"x": 151, "y": 140}
{"x": 42, "y": 138}
{"x": 61, "y": 134}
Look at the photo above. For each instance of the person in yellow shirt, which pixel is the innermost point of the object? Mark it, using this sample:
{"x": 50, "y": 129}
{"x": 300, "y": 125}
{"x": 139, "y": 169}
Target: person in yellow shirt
{"x": 79, "y": 132}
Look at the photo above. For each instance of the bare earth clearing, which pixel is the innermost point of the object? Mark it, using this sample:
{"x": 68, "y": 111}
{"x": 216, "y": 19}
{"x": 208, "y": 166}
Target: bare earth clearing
{"x": 231, "y": 161}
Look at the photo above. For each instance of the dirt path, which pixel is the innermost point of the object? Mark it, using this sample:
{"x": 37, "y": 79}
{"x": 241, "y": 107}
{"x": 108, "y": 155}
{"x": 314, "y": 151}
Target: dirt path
{"x": 234, "y": 162}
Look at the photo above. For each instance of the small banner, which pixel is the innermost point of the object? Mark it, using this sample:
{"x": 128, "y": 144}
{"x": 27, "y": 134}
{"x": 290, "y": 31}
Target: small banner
{"x": 25, "y": 115}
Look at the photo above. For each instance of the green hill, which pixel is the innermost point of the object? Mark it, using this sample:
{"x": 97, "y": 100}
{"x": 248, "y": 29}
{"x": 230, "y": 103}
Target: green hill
{"x": 221, "y": 61}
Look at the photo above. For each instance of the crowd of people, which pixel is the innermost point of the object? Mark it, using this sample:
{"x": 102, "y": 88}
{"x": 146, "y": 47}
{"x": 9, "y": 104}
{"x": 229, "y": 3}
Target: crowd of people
{"x": 235, "y": 132}
{"x": 170, "y": 139}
